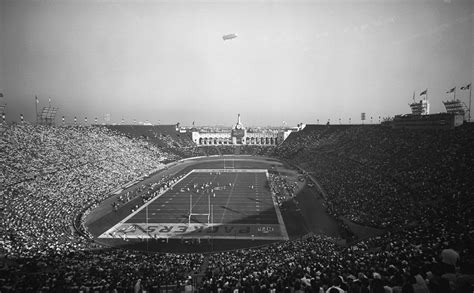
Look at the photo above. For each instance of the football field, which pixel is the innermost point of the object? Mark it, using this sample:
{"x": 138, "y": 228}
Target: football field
{"x": 208, "y": 203}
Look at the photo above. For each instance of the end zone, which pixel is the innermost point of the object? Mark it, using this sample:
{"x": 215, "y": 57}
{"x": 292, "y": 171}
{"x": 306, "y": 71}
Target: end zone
{"x": 195, "y": 231}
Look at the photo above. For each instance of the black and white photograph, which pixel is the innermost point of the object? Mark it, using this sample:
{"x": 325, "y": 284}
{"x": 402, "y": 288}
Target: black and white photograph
{"x": 236, "y": 146}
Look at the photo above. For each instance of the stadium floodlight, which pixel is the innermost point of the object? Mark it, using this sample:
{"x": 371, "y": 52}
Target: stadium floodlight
{"x": 229, "y": 37}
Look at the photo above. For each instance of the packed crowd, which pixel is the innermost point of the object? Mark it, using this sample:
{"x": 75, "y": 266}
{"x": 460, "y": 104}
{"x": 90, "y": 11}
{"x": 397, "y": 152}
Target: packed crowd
{"x": 384, "y": 177}
{"x": 281, "y": 188}
{"x": 50, "y": 173}
{"x": 417, "y": 185}
{"x": 99, "y": 271}
{"x": 317, "y": 264}
{"x": 164, "y": 136}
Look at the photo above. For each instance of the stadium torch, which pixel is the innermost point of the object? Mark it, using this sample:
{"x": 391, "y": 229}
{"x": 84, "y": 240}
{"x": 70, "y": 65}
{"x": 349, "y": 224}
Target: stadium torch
{"x": 21, "y": 117}
{"x": 3, "y": 117}
{"x": 75, "y": 120}
{"x": 64, "y": 121}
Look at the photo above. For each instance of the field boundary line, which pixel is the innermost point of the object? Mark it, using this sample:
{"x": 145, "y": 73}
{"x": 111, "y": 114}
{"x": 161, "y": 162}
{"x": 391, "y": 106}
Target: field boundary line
{"x": 229, "y": 170}
{"x": 144, "y": 206}
{"x": 278, "y": 213}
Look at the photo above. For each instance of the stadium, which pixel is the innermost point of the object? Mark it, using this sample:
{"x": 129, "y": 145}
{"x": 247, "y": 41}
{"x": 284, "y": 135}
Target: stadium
{"x": 220, "y": 219}
{"x": 212, "y": 199}
{"x": 102, "y": 190}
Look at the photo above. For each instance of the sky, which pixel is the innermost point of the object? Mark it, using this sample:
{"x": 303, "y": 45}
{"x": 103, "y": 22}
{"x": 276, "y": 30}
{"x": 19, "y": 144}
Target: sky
{"x": 293, "y": 61}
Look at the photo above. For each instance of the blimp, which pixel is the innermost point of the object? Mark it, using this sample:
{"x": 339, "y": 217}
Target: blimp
{"x": 229, "y": 37}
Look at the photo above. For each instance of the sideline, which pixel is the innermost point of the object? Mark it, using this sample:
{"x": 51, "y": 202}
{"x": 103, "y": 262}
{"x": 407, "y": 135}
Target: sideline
{"x": 362, "y": 232}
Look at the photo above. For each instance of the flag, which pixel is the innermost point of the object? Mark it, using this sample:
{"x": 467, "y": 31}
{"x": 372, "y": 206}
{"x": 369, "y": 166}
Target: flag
{"x": 451, "y": 90}
{"x": 37, "y": 101}
{"x": 424, "y": 92}
{"x": 463, "y": 87}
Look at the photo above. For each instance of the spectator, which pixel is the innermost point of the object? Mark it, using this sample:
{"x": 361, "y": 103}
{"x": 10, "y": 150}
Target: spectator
{"x": 417, "y": 186}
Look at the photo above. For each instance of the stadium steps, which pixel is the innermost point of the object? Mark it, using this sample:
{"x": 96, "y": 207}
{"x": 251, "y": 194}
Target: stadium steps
{"x": 204, "y": 265}
{"x": 237, "y": 150}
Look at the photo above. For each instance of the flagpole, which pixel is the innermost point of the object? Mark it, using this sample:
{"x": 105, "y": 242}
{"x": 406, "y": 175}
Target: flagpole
{"x": 470, "y": 91}
{"x": 36, "y": 108}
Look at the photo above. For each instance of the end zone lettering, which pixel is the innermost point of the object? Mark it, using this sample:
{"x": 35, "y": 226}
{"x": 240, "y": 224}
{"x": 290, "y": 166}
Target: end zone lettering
{"x": 176, "y": 229}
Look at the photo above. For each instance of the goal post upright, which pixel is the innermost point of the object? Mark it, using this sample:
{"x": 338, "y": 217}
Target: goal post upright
{"x": 208, "y": 214}
{"x": 190, "y": 208}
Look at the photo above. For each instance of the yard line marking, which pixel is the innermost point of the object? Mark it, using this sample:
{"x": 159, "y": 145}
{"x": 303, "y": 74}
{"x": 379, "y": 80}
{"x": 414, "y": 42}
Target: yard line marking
{"x": 113, "y": 228}
{"x": 229, "y": 196}
{"x": 200, "y": 194}
{"x": 237, "y": 200}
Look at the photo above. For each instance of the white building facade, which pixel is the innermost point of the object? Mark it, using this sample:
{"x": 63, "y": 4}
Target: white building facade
{"x": 240, "y": 136}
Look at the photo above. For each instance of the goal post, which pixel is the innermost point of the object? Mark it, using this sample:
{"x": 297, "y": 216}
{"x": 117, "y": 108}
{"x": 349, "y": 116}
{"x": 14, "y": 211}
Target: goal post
{"x": 208, "y": 214}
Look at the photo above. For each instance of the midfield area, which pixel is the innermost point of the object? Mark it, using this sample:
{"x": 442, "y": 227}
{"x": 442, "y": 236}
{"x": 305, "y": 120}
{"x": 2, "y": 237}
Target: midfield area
{"x": 208, "y": 203}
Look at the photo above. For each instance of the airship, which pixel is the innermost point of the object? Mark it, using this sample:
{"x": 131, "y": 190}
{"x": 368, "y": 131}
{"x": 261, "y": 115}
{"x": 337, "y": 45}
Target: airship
{"x": 229, "y": 37}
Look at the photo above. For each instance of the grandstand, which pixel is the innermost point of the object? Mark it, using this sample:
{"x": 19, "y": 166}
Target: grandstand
{"x": 340, "y": 176}
{"x": 399, "y": 203}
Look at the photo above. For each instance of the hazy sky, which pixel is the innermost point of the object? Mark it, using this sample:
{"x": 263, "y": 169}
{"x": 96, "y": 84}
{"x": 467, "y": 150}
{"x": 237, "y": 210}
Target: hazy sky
{"x": 293, "y": 61}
